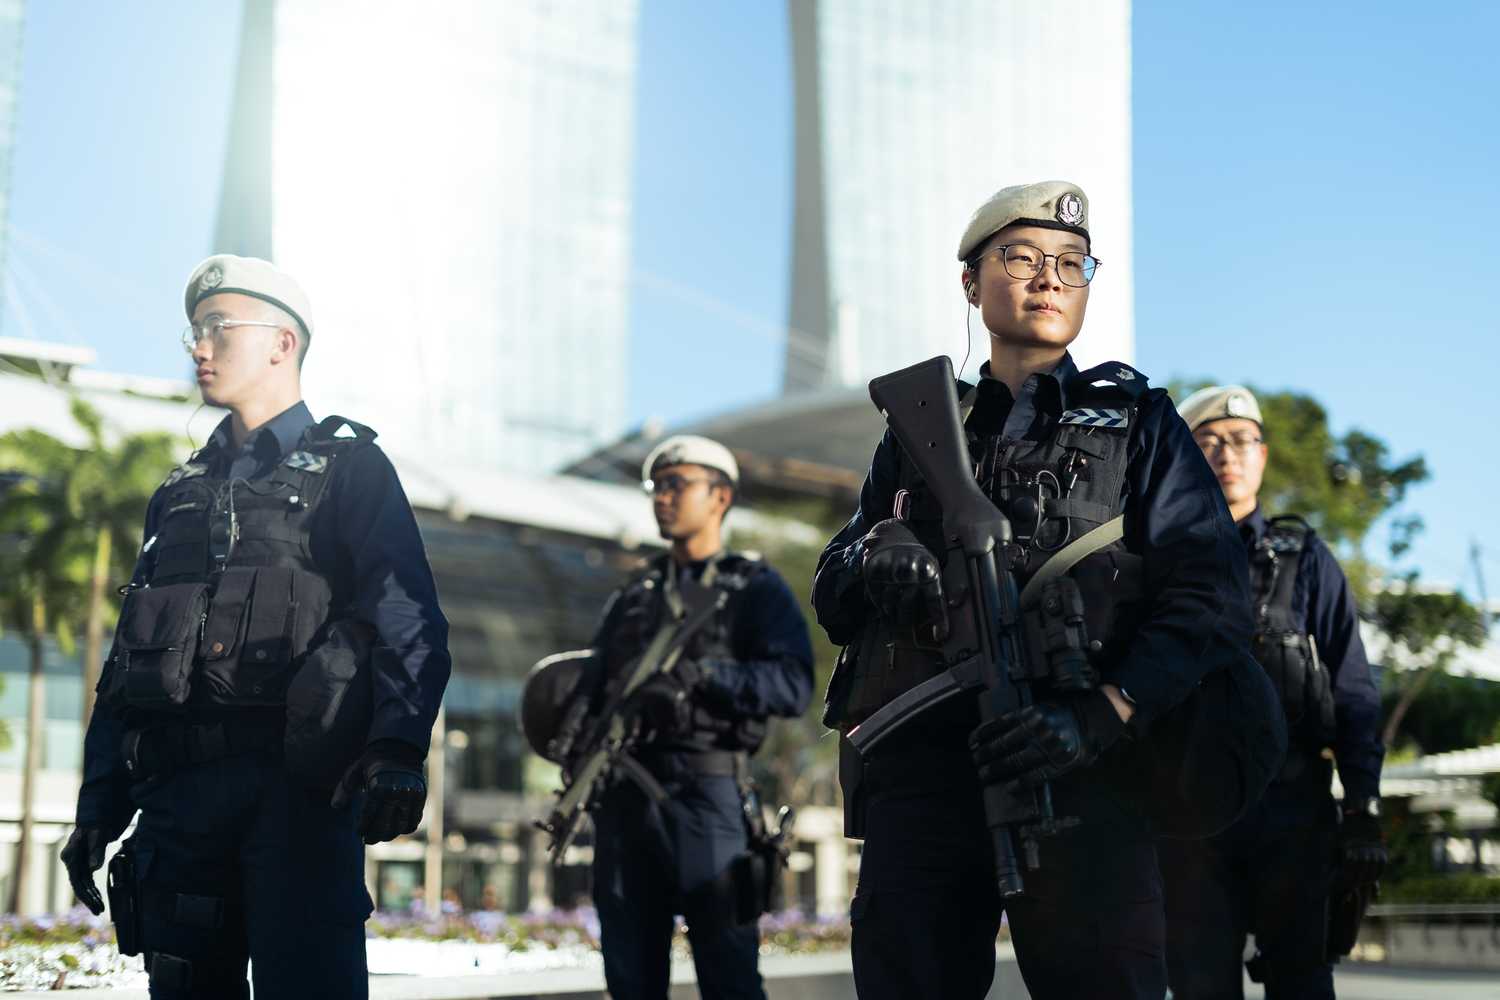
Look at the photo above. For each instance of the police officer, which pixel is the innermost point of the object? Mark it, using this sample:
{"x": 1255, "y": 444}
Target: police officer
{"x": 654, "y": 859}
{"x": 1270, "y": 874}
{"x": 280, "y": 555}
{"x": 1062, "y": 453}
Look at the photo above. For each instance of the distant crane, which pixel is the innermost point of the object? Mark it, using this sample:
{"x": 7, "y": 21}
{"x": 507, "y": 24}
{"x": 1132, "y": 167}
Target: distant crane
{"x": 1476, "y": 558}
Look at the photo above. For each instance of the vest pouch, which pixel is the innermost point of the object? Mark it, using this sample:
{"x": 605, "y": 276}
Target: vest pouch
{"x": 246, "y": 648}
{"x": 154, "y": 649}
{"x": 1212, "y": 756}
{"x": 330, "y": 703}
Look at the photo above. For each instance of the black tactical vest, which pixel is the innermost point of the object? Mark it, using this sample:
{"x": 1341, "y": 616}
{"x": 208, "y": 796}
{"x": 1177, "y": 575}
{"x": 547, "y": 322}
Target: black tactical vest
{"x": 642, "y": 607}
{"x": 233, "y": 597}
{"x": 1282, "y": 644}
{"x": 1054, "y": 491}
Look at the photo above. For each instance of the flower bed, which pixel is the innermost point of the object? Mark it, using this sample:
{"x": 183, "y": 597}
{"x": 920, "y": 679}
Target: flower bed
{"x": 77, "y": 949}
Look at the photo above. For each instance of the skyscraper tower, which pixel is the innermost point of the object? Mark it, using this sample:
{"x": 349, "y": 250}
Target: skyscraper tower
{"x": 11, "y": 20}
{"x": 453, "y": 186}
{"x": 908, "y": 116}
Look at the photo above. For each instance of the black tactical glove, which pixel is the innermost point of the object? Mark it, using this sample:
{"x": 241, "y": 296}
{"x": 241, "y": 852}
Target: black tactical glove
{"x": 389, "y": 773}
{"x": 1045, "y": 740}
{"x": 665, "y": 702}
{"x": 1361, "y": 845}
{"x": 902, "y": 577}
{"x": 83, "y": 855}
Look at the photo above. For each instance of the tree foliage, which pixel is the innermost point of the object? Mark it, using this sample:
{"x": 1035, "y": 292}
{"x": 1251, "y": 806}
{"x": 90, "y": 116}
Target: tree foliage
{"x": 799, "y": 762}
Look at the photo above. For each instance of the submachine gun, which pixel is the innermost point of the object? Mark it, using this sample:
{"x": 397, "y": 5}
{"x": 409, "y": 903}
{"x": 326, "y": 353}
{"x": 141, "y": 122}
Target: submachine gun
{"x": 596, "y": 750}
{"x": 982, "y": 643}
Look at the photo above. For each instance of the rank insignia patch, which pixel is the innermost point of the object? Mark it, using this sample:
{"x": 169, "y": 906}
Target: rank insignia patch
{"x": 307, "y": 461}
{"x": 1086, "y": 417}
{"x": 187, "y": 471}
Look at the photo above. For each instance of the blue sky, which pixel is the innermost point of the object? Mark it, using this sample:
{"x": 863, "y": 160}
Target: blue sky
{"x": 1314, "y": 202}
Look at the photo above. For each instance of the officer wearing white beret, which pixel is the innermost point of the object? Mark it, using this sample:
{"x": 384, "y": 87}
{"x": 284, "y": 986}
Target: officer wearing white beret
{"x": 1094, "y": 468}
{"x": 1272, "y": 874}
{"x": 684, "y": 853}
{"x": 279, "y": 663}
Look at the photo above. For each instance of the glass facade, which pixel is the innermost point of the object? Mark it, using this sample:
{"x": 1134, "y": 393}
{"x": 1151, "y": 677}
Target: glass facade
{"x": 908, "y": 117}
{"x": 453, "y": 188}
{"x": 11, "y": 17}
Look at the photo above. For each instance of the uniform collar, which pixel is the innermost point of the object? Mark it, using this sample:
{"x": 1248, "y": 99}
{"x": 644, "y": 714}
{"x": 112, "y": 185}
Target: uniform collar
{"x": 1058, "y": 376}
{"x": 1253, "y": 528}
{"x": 273, "y": 439}
{"x": 993, "y": 400}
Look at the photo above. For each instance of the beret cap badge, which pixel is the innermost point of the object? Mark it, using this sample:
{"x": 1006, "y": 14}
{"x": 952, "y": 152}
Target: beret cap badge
{"x": 212, "y": 278}
{"x": 1236, "y": 406}
{"x": 1070, "y": 209}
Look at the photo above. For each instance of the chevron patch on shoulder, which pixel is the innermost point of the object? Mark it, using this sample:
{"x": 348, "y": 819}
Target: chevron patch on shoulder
{"x": 307, "y": 461}
{"x": 188, "y": 470}
{"x": 1087, "y": 417}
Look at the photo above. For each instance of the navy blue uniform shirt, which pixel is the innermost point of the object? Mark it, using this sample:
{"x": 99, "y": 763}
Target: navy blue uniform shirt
{"x": 772, "y": 669}
{"x": 1195, "y": 572}
{"x": 366, "y": 537}
{"x": 1322, "y": 601}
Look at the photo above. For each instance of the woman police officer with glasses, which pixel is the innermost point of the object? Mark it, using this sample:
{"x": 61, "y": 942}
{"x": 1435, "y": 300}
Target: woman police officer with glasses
{"x": 1061, "y": 453}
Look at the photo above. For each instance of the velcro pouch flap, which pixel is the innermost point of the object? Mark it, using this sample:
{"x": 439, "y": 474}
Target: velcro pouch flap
{"x": 161, "y": 617}
{"x": 222, "y": 631}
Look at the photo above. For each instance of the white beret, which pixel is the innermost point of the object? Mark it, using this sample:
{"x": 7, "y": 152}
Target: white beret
{"x": 1219, "y": 402}
{"x": 224, "y": 272}
{"x": 1052, "y": 204}
{"x": 689, "y": 449}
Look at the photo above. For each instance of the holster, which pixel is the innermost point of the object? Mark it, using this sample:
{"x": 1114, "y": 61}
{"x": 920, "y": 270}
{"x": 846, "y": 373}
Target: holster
{"x": 1346, "y": 911}
{"x": 756, "y": 877}
{"x": 124, "y": 891}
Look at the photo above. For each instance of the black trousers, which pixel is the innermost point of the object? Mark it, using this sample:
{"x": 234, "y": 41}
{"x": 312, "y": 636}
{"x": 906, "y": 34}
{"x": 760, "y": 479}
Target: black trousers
{"x": 237, "y": 863}
{"x": 653, "y": 862}
{"x": 926, "y": 911}
{"x": 1269, "y": 875}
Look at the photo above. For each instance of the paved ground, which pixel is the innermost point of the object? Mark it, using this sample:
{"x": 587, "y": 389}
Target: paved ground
{"x": 822, "y": 978}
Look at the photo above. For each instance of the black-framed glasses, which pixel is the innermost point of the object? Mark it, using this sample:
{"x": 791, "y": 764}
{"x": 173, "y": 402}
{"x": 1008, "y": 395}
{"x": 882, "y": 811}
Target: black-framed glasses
{"x": 672, "y": 483}
{"x": 1023, "y": 262}
{"x": 213, "y": 331}
{"x": 1241, "y": 443}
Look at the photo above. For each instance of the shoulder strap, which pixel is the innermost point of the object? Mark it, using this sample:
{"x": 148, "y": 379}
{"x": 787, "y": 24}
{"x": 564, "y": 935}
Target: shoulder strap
{"x": 1282, "y": 547}
{"x": 1113, "y": 380}
{"x": 328, "y": 428}
{"x": 1071, "y": 555}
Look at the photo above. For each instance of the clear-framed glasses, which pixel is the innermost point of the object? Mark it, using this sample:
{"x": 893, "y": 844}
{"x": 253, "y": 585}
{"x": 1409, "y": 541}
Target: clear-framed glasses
{"x": 213, "y": 331}
{"x": 672, "y": 483}
{"x": 1023, "y": 262}
{"x": 1241, "y": 443}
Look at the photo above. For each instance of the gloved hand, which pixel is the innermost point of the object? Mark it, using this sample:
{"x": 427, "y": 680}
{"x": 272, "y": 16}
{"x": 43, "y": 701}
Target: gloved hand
{"x": 1362, "y": 847}
{"x": 665, "y": 702}
{"x": 902, "y": 577}
{"x": 1045, "y": 740}
{"x": 83, "y": 855}
{"x": 389, "y": 773}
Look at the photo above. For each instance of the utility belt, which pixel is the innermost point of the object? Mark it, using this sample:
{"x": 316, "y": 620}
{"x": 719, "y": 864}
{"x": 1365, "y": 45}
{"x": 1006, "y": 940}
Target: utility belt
{"x": 672, "y": 765}
{"x": 751, "y": 885}
{"x": 155, "y": 750}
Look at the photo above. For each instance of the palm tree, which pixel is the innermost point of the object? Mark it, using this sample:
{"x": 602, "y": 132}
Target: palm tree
{"x": 108, "y": 493}
{"x": 42, "y": 581}
{"x": 69, "y": 524}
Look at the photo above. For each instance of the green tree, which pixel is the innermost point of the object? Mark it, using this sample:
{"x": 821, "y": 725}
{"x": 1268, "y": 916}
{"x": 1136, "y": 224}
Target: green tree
{"x": 799, "y": 762}
{"x": 43, "y": 578}
{"x": 1426, "y": 631}
{"x": 72, "y": 521}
